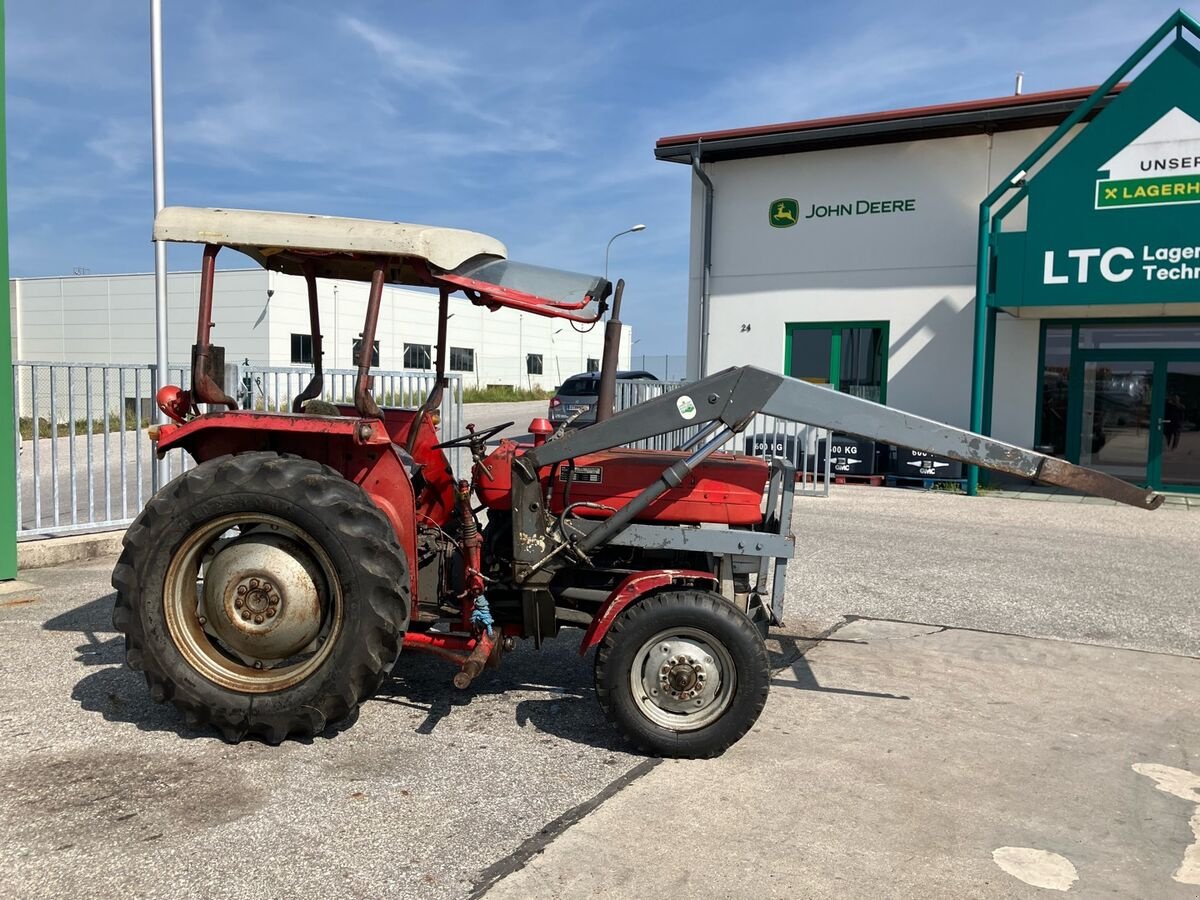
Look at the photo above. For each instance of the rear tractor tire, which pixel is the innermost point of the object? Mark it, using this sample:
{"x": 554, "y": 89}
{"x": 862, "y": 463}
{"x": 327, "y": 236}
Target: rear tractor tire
{"x": 264, "y": 595}
{"x": 683, "y": 674}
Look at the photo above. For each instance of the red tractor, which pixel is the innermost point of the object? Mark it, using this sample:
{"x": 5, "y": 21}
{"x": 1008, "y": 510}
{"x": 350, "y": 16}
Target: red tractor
{"x": 268, "y": 590}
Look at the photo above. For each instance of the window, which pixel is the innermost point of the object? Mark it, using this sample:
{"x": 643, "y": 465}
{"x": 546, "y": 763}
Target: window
{"x": 1056, "y": 378}
{"x": 462, "y": 359}
{"x": 579, "y": 387}
{"x": 302, "y": 348}
{"x": 593, "y": 364}
{"x": 418, "y": 356}
{"x": 533, "y": 364}
{"x": 861, "y": 371}
{"x": 356, "y": 349}
{"x": 849, "y": 356}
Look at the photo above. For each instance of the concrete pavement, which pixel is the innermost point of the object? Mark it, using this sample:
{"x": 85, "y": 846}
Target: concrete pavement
{"x": 902, "y": 760}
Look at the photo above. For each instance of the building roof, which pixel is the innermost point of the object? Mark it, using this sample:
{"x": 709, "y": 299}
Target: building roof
{"x": 1011, "y": 113}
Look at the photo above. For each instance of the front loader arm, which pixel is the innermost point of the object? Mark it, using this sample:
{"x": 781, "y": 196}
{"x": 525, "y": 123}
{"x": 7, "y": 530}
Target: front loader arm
{"x": 724, "y": 403}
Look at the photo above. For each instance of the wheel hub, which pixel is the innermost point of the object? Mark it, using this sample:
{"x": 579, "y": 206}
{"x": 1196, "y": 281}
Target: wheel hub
{"x": 682, "y": 677}
{"x": 261, "y": 597}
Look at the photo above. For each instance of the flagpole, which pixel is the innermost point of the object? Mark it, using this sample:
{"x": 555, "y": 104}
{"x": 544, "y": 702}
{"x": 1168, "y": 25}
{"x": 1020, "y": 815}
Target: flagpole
{"x": 161, "y": 471}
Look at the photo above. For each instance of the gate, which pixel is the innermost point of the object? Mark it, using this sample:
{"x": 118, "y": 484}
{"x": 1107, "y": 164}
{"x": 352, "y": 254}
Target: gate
{"x": 85, "y": 462}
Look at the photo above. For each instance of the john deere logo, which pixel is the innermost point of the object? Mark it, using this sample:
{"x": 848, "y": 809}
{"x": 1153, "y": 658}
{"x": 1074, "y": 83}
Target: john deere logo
{"x": 784, "y": 212}
{"x": 1159, "y": 167}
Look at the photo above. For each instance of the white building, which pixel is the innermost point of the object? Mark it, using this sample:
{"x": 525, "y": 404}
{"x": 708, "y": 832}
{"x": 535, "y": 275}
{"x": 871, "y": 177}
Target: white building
{"x": 262, "y": 317}
{"x": 843, "y": 251}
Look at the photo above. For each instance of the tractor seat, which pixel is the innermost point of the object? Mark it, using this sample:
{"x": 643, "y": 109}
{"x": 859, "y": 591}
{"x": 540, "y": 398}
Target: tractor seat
{"x": 319, "y": 407}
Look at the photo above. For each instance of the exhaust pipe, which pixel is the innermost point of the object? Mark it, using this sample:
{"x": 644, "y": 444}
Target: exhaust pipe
{"x": 607, "y": 392}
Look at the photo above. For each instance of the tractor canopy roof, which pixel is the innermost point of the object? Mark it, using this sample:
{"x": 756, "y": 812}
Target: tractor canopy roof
{"x": 424, "y": 255}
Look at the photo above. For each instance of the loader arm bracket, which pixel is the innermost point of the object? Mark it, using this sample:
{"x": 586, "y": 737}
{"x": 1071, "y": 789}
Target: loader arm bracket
{"x": 732, "y": 397}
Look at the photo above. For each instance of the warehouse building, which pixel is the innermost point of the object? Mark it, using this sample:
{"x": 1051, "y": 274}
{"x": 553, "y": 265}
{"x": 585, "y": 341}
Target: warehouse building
{"x": 843, "y": 251}
{"x": 262, "y": 317}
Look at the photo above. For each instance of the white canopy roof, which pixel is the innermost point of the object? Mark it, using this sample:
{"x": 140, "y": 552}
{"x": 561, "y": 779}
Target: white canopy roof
{"x": 264, "y": 234}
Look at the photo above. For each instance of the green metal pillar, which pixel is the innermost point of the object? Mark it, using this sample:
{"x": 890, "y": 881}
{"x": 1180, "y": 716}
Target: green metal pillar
{"x": 8, "y": 451}
{"x": 979, "y": 362}
{"x": 9, "y": 486}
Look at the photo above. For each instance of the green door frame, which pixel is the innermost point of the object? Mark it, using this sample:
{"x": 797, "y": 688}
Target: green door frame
{"x": 1159, "y": 360}
{"x": 835, "y": 349}
{"x": 1159, "y": 356}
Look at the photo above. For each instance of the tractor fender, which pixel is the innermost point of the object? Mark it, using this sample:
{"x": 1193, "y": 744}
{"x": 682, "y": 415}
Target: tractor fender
{"x": 632, "y": 589}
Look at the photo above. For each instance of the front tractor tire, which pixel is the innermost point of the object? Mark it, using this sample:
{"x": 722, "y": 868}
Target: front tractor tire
{"x": 683, "y": 674}
{"x": 264, "y": 595}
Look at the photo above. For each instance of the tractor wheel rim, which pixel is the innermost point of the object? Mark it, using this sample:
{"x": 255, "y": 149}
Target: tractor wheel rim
{"x": 683, "y": 679}
{"x": 256, "y": 614}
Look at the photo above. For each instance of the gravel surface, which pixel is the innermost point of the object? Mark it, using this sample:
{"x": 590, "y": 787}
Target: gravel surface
{"x": 1097, "y": 573}
{"x": 106, "y": 793}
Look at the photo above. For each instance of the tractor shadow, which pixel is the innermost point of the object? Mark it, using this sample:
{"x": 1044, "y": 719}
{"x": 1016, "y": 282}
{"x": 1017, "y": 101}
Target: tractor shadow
{"x": 788, "y": 654}
{"x": 549, "y": 689}
{"x": 115, "y": 691}
{"x": 111, "y": 688}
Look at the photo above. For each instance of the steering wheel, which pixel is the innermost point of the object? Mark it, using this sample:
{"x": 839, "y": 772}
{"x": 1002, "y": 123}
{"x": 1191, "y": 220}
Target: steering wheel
{"x": 467, "y": 439}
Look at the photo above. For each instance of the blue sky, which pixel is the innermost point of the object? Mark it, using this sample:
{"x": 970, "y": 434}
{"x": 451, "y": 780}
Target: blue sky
{"x": 531, "y": 121}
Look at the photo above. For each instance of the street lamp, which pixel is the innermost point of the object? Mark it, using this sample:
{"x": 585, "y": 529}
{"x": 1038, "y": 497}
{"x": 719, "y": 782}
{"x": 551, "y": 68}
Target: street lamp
{"x": 613, "y": 238}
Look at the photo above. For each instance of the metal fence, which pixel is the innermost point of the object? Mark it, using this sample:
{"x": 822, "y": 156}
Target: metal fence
{"x": 764, "y": 436}
{"x": 85, "y": 463}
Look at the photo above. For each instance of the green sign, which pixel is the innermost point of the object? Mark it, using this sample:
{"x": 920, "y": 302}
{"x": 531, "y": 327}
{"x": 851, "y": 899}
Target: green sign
{"x": 783, "y": 212}
{"x": 1114, "y": 217}
{"x": 1148, "y": 191}
{"x": 1159, "y": 167}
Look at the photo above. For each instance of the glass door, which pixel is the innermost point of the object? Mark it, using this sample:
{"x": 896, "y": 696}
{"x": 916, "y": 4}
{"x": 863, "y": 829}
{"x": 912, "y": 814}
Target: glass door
{"x": 1179, "y": 423}
{"x": 1116, "y": 434}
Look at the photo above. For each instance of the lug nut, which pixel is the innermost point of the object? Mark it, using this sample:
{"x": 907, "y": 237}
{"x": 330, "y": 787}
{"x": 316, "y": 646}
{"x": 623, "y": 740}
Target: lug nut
{"x": 254, "y": 584}
{"x": 242, "y": 591}
{"x": 271, "y": 613}
{"x": 238, "y": 604}
{"x": 246, "y": 615}
{"x": 258, "y": 620}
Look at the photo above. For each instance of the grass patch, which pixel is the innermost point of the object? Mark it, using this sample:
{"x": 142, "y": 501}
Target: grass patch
{"x": 503, "y": 393}
{"x": 63, "y": 429}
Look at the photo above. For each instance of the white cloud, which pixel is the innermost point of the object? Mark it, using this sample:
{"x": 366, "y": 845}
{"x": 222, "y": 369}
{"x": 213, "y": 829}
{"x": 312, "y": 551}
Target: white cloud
{"x": 404, "y": 57}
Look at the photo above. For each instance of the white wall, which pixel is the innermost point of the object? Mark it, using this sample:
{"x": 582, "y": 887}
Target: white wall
{"x": 914, "y": 270}
{"x": 501, "y": 340}
{"x": 110, "y": 319}
{"x": 1016, "y": 379}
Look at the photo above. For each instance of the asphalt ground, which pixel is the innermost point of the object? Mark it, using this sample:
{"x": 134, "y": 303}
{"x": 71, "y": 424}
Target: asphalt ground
{"x": 436, "y": 793}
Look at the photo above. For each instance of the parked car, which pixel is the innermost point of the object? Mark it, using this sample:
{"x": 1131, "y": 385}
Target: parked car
{"x": 581, "y": 392}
